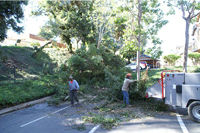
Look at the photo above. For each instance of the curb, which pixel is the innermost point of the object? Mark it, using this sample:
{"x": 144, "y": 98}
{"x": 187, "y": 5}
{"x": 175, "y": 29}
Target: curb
{"x": 17, "y": 107}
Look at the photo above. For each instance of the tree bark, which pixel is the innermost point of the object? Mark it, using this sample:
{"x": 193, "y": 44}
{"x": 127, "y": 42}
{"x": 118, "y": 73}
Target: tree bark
{"x": 38, "y": 50}
{"x": 139, "y": 36}
{"x": 186, "y": 44}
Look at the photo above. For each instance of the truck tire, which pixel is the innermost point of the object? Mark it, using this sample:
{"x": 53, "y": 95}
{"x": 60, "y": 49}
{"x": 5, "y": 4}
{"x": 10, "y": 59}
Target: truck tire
{"x": 194, "y": 111}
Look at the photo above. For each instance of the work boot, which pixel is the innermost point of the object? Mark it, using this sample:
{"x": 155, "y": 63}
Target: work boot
{"x": 128, "y": 105}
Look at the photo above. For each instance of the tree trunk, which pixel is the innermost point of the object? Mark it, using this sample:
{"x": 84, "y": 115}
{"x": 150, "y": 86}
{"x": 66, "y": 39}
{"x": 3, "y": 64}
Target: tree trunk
{"x": 153, "y": 63}
{"x": 129, "y": 57}
{"x": 101, "y": 31}
{"x": 186, "y": 44}
{"x": 138, "y": 52}
{"x": 38, "y": 50}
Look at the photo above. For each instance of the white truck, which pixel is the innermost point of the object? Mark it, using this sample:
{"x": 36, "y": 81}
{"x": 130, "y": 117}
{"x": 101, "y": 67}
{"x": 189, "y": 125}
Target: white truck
{"x": 179, "y": 89}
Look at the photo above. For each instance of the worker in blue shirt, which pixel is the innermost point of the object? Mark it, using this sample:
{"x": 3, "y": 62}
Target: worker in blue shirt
{"x": 73, "y": 88}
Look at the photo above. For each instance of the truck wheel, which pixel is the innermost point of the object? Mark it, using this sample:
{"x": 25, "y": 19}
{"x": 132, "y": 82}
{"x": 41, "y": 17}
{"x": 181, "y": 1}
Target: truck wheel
{"x": 194, "y": 111}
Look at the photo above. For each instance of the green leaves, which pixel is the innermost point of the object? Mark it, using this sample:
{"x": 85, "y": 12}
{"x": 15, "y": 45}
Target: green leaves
{"x": 95, "y": 63}
{"x": 195, "y": 57}
{"x": 68, "y": 20}
{"x": 107, "y": 122}
{"x": 11, "y": 14}
{"x": 30, "y": 90}
{"x": 171, "y": 58}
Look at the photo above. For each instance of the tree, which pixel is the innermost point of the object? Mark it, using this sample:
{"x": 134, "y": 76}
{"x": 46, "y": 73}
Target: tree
{"x": 138, "y": 37}
{"x": 155, "y": 53}
{"x": 171, "y": 59}
{"x": 68, "y": 20}
{"x": 195, "y": 58}
{"x": 11, "y": 14}
{"x": 190, "y": 9}
{"x": 108, "y": 24}
{"x": 145, "y": 20}
{"x": 101, "y": 18}
{"x": 128, "y": 52}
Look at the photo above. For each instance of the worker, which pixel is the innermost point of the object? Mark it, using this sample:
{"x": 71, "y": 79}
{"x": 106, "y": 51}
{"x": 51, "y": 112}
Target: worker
{"x": 125, "y": 89}
{"x": 73, "y": 88}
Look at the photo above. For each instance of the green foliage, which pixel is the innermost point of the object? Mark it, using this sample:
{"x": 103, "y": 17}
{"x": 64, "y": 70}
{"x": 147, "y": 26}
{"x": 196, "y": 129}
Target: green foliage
{"x": 155, "y": 52}
{"x": 35, "y": 45}
{"x": 171, "y": 58}
{"x": 11, "y": 14}
{"x": 129, "y": 51}
{"x": 106, "y": 122}
{"x": 137, "y": 90}
{"x": 67, "y": 20}
{"x": 152, "y": 104}
{"x": 184, "y": 5}
{"x": 30, "y": 90}
{"x": 79, "y": 127}
{"x": 63, "y": 76}
{"x": 197, "y": 70}
{"x": 60, "y": 93}
{"x": 129, "y": 115}
{"x": 47, "y": 67}
{"x": 145, "y": 28}
{"x": 161, "y": 106}
{"x": 4, "y": 58}
{"x": 92, "y": 64}
{"x": 195, "y": 57}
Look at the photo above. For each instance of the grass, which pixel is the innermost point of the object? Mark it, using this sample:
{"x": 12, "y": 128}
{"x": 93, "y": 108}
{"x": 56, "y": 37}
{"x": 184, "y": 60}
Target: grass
{"x": 17, "y": 63}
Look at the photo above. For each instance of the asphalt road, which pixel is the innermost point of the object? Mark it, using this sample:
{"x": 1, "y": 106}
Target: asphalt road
{"x": 42, "y": 118}
{"x": 166, "y": 123}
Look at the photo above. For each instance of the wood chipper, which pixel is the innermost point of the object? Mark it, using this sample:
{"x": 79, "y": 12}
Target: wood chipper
{"x": 178, "y": 89}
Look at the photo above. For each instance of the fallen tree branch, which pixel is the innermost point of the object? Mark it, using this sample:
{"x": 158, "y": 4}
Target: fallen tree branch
{"x": 38, "y": 50}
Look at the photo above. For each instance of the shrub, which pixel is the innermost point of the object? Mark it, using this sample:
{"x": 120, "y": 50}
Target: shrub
{"x": 37, "y": 44}
{"x": 15, "y": 94}
{"x": 197, "y": 70}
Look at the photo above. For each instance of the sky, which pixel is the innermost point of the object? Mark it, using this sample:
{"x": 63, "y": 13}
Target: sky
{"x": 172, "y": 34}
{"x": 31, "y": 24}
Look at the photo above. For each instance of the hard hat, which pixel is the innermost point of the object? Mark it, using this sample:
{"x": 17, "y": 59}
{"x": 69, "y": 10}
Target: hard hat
{"x": 70, "y": 77}
{"x": 128, "y": 74}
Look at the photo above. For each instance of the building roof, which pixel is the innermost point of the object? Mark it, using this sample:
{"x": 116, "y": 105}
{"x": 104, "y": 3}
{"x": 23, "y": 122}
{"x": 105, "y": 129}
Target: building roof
{"x": 144, "y": 57}
{"x": 36, "y": 37}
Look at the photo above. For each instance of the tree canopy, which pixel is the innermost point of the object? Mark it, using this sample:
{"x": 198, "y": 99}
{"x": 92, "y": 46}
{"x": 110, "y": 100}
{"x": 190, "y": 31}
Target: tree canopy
{"x": 67, "y": 20}
{"x": 11, "y": 15}
{"x": 126, "y": 26}
{"x": 145, "y": 20}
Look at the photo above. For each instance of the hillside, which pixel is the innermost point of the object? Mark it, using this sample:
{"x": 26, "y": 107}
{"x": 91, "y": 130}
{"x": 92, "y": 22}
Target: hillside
{"x": 17, "y": 62}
